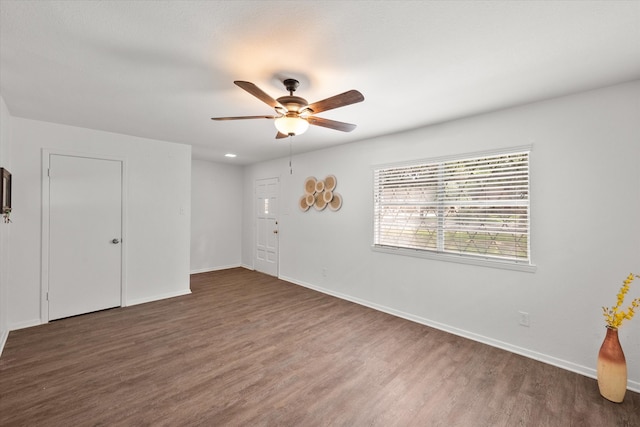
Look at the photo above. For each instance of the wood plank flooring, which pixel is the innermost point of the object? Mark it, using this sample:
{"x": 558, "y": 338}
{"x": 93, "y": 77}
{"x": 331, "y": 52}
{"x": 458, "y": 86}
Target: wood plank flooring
{"x": 246, "y": 349}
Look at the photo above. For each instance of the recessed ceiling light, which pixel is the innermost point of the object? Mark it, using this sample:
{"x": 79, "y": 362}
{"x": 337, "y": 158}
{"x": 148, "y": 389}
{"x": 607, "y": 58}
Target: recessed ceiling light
{"x": 230, "y": 155}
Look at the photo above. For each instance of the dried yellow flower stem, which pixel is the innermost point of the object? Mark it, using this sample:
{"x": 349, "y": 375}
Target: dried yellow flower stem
{"x": 613, "y": 316}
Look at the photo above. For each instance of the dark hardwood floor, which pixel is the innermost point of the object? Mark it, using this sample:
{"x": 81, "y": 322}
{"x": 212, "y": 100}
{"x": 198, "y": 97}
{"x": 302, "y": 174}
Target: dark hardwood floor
{"x": 246, "y": 349}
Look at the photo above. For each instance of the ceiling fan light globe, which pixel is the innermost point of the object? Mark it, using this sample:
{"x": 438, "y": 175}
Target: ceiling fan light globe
{"x": 291, "y": 125}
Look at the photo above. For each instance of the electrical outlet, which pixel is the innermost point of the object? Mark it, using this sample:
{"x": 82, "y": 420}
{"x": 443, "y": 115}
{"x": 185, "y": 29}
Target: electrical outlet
{"x": 324, "y": 272}
{"x": 524, "y": 319}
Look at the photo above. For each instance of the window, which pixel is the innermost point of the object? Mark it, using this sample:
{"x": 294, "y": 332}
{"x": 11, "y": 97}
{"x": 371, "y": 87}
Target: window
{"x": 474, "y": 208}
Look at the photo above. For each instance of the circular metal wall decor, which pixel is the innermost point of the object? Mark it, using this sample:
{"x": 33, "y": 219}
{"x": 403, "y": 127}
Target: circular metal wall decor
{"x": 320, "y": 194}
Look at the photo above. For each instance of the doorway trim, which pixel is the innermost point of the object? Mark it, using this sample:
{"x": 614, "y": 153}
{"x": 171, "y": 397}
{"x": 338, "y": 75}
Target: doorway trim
{"x": 255, "y": 220}
{"x": 44, "y": 247}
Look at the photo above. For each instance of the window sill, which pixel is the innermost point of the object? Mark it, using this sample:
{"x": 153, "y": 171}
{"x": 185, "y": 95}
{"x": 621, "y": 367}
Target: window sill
{"x": 461, "y": 259}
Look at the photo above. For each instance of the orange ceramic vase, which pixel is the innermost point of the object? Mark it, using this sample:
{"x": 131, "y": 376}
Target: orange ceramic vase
{"x": 612, "y": 368}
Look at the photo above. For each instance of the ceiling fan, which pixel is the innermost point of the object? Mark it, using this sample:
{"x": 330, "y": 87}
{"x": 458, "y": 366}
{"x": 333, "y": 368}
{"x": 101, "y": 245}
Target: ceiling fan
{"x": 294, "y": 114}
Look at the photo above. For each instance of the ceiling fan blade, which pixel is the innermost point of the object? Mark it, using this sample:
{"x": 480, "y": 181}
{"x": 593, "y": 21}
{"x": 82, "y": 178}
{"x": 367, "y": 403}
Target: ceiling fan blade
{"x": 258, "y": 93}
{"x": 347, "y": 98}
{"x": 281, "y": 135}
{"x": 243, "y": 117}
{"x": 331, "y": 124}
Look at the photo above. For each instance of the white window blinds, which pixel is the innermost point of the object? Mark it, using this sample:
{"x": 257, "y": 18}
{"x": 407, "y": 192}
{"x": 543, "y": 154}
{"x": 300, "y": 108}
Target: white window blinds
{"x": 477, "y": 207}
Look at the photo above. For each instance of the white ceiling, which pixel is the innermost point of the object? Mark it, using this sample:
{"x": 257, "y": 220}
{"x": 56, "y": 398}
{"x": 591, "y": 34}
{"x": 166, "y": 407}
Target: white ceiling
{"x": 161, "y": 69}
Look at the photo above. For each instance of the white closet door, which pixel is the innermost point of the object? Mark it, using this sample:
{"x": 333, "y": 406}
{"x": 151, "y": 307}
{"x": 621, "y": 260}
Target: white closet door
{"x": 85, "y": 228}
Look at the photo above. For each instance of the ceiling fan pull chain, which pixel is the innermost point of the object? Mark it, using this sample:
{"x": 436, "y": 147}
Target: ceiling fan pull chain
{"x": 290, "y": 153}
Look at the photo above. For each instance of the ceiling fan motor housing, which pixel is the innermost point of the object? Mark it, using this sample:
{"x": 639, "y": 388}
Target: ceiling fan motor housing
{"x": 293, "y": 104}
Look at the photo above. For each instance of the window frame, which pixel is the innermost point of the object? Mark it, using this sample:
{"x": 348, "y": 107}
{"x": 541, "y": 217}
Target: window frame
{"x": 478, "y": 260}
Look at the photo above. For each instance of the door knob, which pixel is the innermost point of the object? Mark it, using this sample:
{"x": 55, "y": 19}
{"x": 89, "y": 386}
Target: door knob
{"x": 275, "y": 231}
{"x": 115, "y": 241}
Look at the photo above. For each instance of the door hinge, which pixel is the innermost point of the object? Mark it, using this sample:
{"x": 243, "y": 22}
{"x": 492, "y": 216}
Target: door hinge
{"x": 49, "y": 173}
{"x": 47, "y": 296}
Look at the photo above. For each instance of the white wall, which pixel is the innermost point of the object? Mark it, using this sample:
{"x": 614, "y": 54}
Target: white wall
{"x": 5, "y": 162}
{"x": 216, "y": 216}
{"x": 157, "y": 221}
{"x": 585, "y": 196}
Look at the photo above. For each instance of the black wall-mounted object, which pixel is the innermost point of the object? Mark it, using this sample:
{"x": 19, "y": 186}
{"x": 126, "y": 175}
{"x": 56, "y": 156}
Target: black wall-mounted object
{"x": 5, "y": 191}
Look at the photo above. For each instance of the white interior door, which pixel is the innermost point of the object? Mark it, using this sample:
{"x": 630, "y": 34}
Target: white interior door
{"x": 267, "y": 226}
{"x": 85, "y": 230}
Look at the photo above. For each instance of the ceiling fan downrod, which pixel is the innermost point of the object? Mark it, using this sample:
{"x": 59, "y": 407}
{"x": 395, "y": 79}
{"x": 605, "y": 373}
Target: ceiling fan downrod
{"x": 291, "y": 85}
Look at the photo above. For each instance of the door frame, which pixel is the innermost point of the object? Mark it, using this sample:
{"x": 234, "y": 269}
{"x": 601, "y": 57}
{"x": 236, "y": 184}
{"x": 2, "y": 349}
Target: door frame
{"x": 255, "y": 221}
{"x": 44, "y": 270}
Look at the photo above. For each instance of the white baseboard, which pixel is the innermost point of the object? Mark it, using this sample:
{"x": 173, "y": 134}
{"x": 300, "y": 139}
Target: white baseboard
{"x": 25, "y": 324}
{"x": 550, "y": 360}
{"x": 3, "y": 340}
{"x": 157, "y": 297}
{"x": 208, "y": 269}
